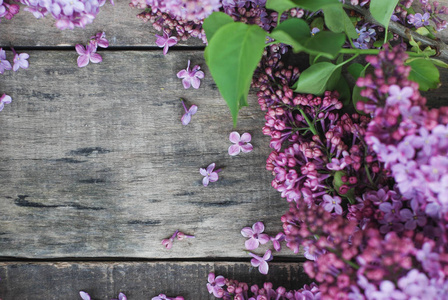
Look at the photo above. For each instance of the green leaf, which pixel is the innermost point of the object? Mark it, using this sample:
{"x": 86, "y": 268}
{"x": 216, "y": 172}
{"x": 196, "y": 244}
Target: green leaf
{"x": 215, "y": 21}
{"x": 295, "y": 32}
{"x": 439, "y": 63}
{"x": 232, "y": 56}
{"x": 343, "y": 90}
{"x": 422, "y": 31}
{"x": 337, "y": 20}
{"x": 317, "y": 23}
{"x": 280, "y": 6}
{"x": 382, "y": 10}
{"x": 424, "y": 73}
{"x": 318, "y": 78}
{"x": 355, "y": 70}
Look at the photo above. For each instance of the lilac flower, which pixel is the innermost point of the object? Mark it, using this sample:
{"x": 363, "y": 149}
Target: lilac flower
{"x": 209, "y": 174}
{"x": 168, "y": 243}
{"x": 4, "y": 99}
{"x": 191, "y": 78}
{"x": 180, "y": 236}
{"x": 419, "y": 20}
{"x": 100, "y": 39}
{"x": 71, "y": 6}
{"x": 387, "y": 291}
{"x": 4, "y": 64}
{"x": 261, "y": 262}
{"x": 84, "y": 295}
{"x": 215, "y": 284}
{"x": 329, "y": 203}
{"x": 412, "y": 219}
{"x": 255, "y": 235}
{"x": 399, "y": 96}
{"x": 240, "y": 143}
{"x": 87, "y": 54}
{"x": 280, "y": 237}
{"x": 121, "y": 296}
{"x": 186, "y": 118}
{"x": 314, "y": 31}
{"x": 165, "y": 41}
{"x": 20, "y": 61}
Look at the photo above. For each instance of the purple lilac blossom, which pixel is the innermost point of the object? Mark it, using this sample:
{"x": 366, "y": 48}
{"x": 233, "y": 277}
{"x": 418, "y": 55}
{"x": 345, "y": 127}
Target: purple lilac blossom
{"x": 165, "y": 41}
{"x": 255, "y": 235}
{"x": 186, "y": 118}
{"x": 20, "y": 61}
{"x": 329, "y": 203}
{"x": 168, "y": 243}
{"x": 261, "y": 262}
{"x": 87, "y": 54}
{"x": 191, "y": 10}
{"x": 209, "y": 174}
{"x": 276, "y": 241}
{"x": 241, "y": 143}
{"x": 314, "y": 31}
{"x": 419, "y": 20}
{"x": 164, "y": 297}
{"x": 215, "y": 285}
{"x": 4, "y": 64}
{"x": 191, "y": 78}
{"x": 4, "y": 99}
{"x": 100, "y": 39}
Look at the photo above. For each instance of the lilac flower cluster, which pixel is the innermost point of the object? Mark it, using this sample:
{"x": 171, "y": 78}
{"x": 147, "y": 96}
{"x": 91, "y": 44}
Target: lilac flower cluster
{"x": 88, "y": 54}
{"x": 407, "y": 138}
{"x": 432, "y": 11}
{"x": 68, "y": 14}
{"x": 366, "y": 38}
{"x": 230, "y": 289}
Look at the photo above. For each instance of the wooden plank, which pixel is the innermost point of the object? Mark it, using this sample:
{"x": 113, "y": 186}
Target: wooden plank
{"x": 120, "y": 23}
{"x": 95, "y": 162}
{"x": 138, "y": 280}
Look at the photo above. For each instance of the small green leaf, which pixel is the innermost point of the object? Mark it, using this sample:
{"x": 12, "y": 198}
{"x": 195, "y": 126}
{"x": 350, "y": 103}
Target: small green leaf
{"x": 318, "y": 78}
{"x": 422, "y": 31}
{"x": 317, "y": 23}
{"x": 315, "y": 5}
{"x": 337, "y": 20}
{"x": 280, "y": 6}
{"x": 424, "y": 73}
{"x": 232, "y": 56}
{"x": 215, "y": 21}
{"x": 355, "y": 70}
{"x": 295, "y": 32}
{"x": 382, "y": 10}
{"x": 439, "y": 63}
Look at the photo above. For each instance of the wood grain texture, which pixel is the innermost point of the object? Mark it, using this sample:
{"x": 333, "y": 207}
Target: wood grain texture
{"x": 120, "y": 23}
{"x": 96, "y": 163}
{"x": 139, "y": 281}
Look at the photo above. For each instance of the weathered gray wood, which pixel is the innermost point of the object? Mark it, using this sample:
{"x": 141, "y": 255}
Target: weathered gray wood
{"x": 95, "y": 162}
{"x": 119, "y": 22}
{"x": 138, "y": 280}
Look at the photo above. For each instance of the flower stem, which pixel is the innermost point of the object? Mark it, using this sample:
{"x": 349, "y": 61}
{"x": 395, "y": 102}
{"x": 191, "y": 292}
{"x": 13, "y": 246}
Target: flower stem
{"x": 373, "y": 52}
{"x": 310, "y": 124}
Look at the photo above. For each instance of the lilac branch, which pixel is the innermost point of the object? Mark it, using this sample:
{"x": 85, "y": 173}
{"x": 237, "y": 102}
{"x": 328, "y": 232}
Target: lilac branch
{"x": 439, "y": 46}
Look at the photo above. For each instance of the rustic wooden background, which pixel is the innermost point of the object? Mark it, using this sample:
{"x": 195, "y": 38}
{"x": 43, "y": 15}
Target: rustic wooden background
{"x": 97, "y": 169}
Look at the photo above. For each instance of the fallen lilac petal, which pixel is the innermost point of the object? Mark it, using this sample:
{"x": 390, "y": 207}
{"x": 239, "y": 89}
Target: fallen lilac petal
{"x": 209, "y": 174}
{"x": 191, "y": 77}
{"x": 186, "y": 118}
{"x": 240, "y": 143}
{"x": 84, "y": 295}
{"x": 4, "y": 99}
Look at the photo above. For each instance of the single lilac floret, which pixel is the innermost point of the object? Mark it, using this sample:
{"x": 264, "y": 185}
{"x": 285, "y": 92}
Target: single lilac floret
{"x": 241, "y": 143}
{"x": 191, "y": 77}
{"x": 400, "y": 97}
{"x": 209, "y": 174}
{"x": 87, "y": 54}
{"x": 20, "y": 61}
{"x": 314, "y": 31}
{"x": 419, "y": 20}
{"x": 215, "y": 284}
{"x": 4, "y": 99}
{"x": 261, "y": 262}
{"x": 186, "y": 118}
{"x": 121, "y": 296}
{"x": 255, "y": 235}
{"x": 165, "y": 41}
{"x": 329, "y": 203}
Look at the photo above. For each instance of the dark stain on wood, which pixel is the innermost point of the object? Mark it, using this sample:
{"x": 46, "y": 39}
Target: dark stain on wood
{"x": 92, "y": 180}
{"x": 88, "y": 151}
{"x": 184, "y": 194}
{"x": 46, "y": 96}
{"x": 21, "y": 201}
{"x": 215, "y": 204}
{"x": 69, "y": 160}
{"x": 140, "y": 222}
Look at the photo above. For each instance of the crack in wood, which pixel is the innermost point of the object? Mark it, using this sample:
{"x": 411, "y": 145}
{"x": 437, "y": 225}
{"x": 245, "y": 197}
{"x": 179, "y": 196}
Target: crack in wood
{"x": 21, "y": 201}
{"x": 88, "y": 151}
